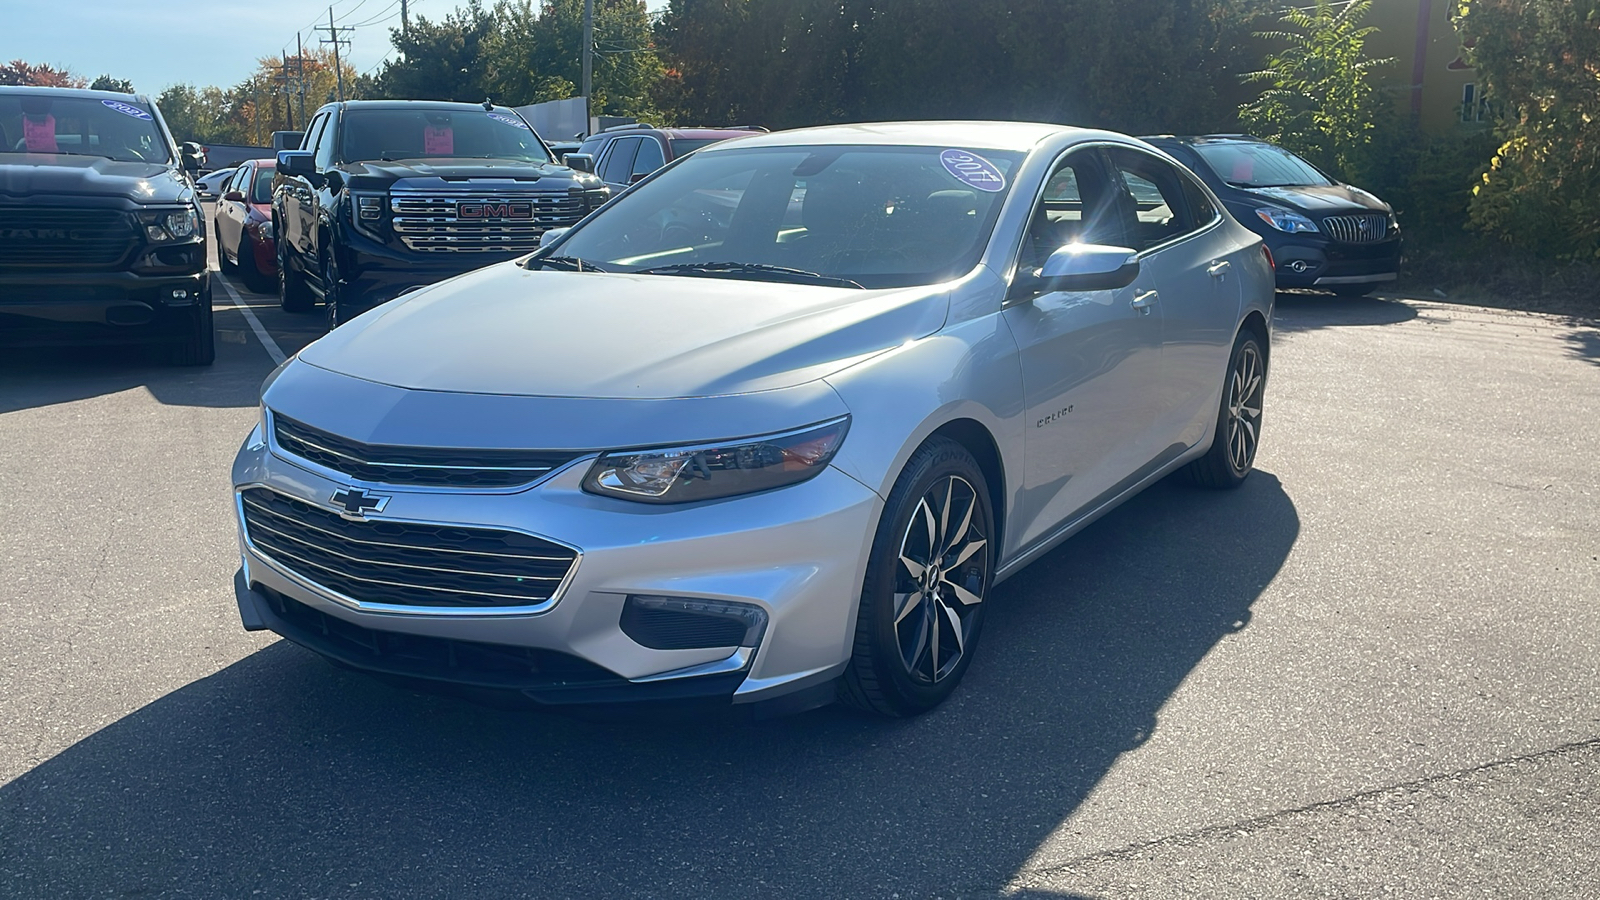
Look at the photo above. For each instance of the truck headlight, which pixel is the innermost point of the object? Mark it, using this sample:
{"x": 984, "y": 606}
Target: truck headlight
{"x": 1285, "y": 220}
{"x": 170, "y": 225}
{"x": 708, "y": 471}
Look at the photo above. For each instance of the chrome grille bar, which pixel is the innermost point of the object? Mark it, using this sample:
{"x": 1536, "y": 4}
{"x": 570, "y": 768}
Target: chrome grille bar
{"x": 430, "y": 222}
{"x": 1363, "y": 228}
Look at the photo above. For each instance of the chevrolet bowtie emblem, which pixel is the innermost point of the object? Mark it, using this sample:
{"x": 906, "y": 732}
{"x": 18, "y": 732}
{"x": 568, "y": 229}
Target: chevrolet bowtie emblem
{"x": 356, "y": 503}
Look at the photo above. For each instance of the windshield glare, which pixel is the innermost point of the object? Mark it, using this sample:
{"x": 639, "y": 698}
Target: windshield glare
{"x": 115, "y": 129}
{"x": 1260, "y": 165}
{"x": 878, "y": 216}
{"x": 378, "y": 134}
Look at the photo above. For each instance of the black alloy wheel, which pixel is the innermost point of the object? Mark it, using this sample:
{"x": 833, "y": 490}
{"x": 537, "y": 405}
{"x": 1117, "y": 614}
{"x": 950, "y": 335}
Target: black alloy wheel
{"x": 197, "y": 338}
{"x": 923, "y": 599}
{"x": 331, "y": 291}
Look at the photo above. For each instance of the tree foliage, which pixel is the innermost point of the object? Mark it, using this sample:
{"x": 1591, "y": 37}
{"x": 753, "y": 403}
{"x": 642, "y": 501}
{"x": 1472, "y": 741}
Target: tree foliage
{"x": 107, "y": 83}
{"x": 251, "y": 110}
{"x": 1539, "y": 61}
{"x": 1320, "y": 100}
{"x": 21, "y": 72}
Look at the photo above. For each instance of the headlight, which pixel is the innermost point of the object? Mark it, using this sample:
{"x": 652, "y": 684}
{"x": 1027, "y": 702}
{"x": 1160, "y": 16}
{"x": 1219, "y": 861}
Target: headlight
{"x": 1285, "y": 220}
{"x": 708, "y": 471}
{"x": 169, "y": 225}
{"x": 367, "y": 213}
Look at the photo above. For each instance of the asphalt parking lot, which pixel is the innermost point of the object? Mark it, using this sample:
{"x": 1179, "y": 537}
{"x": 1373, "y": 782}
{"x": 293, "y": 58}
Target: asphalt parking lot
{"x": 1374, "y": 669}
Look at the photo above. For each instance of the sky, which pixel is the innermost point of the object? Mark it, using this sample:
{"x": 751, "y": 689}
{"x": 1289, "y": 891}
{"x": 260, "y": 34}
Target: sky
{"x": 159, "y": 43}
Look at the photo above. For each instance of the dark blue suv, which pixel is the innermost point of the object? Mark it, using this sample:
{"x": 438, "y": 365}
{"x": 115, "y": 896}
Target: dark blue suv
{"x": 1321, "y": 233}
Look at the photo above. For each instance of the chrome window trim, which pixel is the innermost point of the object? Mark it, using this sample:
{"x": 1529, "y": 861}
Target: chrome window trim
{"x": 320, "y": 590}
{"x": 584, "y": 458}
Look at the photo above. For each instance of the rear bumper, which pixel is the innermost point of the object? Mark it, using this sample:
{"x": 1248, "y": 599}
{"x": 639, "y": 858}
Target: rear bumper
{"x": 98, "y": 307}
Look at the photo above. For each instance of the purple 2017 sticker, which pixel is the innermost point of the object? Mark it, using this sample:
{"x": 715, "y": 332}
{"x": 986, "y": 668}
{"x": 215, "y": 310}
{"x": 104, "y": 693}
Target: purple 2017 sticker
{"x": 509, "y": 120}
{"x": 127, "y": 110}
{"x": 973, "y": 170}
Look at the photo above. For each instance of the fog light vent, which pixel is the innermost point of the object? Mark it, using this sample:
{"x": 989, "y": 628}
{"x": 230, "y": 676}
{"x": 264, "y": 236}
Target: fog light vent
{"x": 686, "y": 623}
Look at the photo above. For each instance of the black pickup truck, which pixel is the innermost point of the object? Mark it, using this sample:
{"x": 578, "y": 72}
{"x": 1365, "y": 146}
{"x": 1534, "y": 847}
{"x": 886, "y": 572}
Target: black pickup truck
{"x": 101, "y": 237}
{"x": 387, "y": 195}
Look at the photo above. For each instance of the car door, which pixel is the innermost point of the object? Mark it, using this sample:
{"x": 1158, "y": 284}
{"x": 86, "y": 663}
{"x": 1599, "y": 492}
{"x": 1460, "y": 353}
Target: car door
{"x": 292, "y": 201}
{"x": 324, "y": 192}
{"x": 616, "y": 165}
{"x": 1089, "y": 358}
{"x": 1186, "y": 258}
{"x": 230, "y": 214}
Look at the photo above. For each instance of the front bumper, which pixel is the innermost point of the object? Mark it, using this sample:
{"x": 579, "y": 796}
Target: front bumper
{"x": 373, "y": 273}
{"x": 1306, "y": 263}
{"x": 98, "y": 307}
{"x": 798, "y": 553}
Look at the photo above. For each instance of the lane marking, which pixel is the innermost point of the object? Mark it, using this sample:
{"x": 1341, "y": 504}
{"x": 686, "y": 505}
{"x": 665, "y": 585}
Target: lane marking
{"x": 272, "y": 348}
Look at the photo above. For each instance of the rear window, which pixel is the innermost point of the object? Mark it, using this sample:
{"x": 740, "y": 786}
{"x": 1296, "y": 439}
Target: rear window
{"x": 83, "y": 126}
{"x": 375, "y": 134}
{"x": 686, "y": 146}
{"x": 261, "y": 187}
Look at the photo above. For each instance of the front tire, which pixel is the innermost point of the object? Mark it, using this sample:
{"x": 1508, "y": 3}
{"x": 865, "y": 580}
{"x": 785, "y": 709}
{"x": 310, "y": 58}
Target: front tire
{"x": 198, "y": 345}
{"x": 1353, "y": 291}
{"x": 1233, "y": 447}
{"x": 293, "y": 294}
{"x": 926, "y": 582}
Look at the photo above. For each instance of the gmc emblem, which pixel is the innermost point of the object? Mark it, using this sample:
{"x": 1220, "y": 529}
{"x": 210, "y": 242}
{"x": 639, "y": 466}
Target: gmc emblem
{"x": 490, "y": 209}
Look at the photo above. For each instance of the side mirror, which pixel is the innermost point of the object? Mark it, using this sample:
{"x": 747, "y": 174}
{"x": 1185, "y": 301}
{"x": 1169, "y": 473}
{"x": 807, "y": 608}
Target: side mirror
{"x": 1089, "y": 267}
{"x": 551, "y": 236}
{"x": 296, "y": 163}
{"x": 192, "y": 156}
{"x": 583, "y": 162}
{"x": 638, "y": 177}
{"x": 234, "y": 196}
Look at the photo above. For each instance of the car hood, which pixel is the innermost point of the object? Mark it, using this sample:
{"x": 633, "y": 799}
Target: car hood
{"x": 1320, "y": 199}
{"x": 453, "y": 169}
{"x": 31, "y": 174}
{"x": 506, "y": 330}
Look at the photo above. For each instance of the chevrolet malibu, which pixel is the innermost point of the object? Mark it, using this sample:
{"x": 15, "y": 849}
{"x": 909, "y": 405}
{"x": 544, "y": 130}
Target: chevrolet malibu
{"x": 764, "y": 431}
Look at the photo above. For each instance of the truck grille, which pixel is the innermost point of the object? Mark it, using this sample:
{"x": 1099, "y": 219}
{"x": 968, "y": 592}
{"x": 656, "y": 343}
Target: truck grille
{"x": 1365, "y": 228}
{"x": 404, "y": 563}
{"x": 506, "y": 222}
{"x": 35, "y": 237}
{"x": 420, "y": 466}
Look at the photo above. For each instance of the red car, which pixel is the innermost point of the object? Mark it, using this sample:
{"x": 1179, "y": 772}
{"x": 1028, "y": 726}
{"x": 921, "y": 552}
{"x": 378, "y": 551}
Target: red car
{"x": 243, "y": 225}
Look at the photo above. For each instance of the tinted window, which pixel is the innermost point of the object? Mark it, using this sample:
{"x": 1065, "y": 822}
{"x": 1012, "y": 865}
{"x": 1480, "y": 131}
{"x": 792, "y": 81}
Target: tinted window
{"x": 649, "y": 158}
{"x": 325, "y": 142}
{"x": 1150, "y": 201}
{"x": 879, "y": 216}
{"x": 424, "y": 132}
{"x": 309, "y": 142}
{"x": 1200, "y": 205}
{"x": 261, "y": 189}
{"x": 1075, "y": 208}
{"x": 82, "y": 126}
{"x": 618, "y": 164}
{"x": 1258, "y": 165}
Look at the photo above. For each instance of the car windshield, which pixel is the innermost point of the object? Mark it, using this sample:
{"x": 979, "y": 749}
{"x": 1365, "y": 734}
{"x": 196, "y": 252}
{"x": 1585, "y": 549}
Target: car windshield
{"x": 877, "y": 216}
{"x": 1259, "y": 165}
{"x": 85, "y": 126}
{"x": 373, "y": 134}
{"x": 261, "y": 185}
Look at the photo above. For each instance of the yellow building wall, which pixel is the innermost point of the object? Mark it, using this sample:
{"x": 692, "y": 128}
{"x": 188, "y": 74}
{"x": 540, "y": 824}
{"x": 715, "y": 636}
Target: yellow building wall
{"x": 1433, "y": 90}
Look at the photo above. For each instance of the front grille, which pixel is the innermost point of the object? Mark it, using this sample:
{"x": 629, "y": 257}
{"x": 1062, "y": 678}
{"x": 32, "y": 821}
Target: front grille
{"x": 1365, "y": 228}
{"x": 36, "y": 237}
{"x": 418, "y": 466}
{"x": 404, "y": 563}
{"x": 430, "y": 222}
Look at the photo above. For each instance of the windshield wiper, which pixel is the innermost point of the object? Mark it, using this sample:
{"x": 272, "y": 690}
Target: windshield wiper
{"x": 774, "y": 273}
{"x": 564, "y": 263}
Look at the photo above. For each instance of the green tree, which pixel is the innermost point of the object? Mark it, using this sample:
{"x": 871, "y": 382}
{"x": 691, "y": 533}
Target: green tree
{"x": 1319, "y": 100}
{"x": 107, "y": 83}
{"x": 1539, "y": 61}
{"x": 440, "y": 60}
{"x": 536, "y": 51}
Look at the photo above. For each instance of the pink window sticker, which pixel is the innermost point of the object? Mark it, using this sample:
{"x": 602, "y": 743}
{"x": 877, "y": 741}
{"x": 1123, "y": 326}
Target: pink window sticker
{"x": 39, "y": 136}
{"x": 1243, "y": 167}
{"x": 438, "y": 141}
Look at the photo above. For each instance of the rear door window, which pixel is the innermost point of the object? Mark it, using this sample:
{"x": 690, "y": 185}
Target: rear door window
{"x": 618, "y": 164}
{"x": 650, "y": 157}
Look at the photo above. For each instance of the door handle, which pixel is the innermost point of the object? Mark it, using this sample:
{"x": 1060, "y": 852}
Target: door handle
{"x": 1144, "y": 301}
{"x": 1219, "y": 269}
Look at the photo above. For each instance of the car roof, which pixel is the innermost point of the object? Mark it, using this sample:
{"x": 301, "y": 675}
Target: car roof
{"x": 412, "y": 104}
{"x": 986, "y": 135}
{"x": 83, "y": 93}
{"x": 700, "y": 133}
{"x": 1194, "y": 139}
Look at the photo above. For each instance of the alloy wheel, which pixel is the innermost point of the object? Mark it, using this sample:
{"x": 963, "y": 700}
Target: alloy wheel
{"x": 941, "y": 579}
{"x": 1244, "y": 407}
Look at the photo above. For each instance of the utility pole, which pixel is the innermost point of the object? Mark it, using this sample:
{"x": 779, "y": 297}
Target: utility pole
{"x": 334, "y": 39}
{"x": 300, "y": 61}
{"x": 588, "y": 63}
{"x": 287, "y": 86}
{"x": 405, "y": 20}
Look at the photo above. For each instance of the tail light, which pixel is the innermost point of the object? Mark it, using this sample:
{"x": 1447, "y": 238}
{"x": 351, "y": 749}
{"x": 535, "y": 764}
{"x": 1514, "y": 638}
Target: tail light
{"x": 1267, "y": 251}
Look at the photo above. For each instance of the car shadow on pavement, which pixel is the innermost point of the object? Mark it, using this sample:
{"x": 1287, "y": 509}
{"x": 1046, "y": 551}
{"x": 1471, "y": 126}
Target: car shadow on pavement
{"x": 1297, "y": 311}
{"x": 1584, "y": 340}
{"x": 43, "y": 376}
{"x": 283, "y": 776}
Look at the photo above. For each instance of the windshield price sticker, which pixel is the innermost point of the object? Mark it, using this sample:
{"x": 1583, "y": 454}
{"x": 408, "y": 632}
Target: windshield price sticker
{"x": 509, "y": 120}
{"x": 127, "y": 110}
{"x": 973, "y": 170}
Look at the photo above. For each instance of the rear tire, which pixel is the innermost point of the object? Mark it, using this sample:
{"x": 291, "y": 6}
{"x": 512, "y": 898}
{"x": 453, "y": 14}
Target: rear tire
{"x": 927, "y": 578}
{"x": 1238, "y": 433}
{"x": 198, "y": 346}
{"x": 293, "y": 294}
{"x": 1352, "y": 291}
{"x": 222, "y": 255}
{"x": 248, "y": 270}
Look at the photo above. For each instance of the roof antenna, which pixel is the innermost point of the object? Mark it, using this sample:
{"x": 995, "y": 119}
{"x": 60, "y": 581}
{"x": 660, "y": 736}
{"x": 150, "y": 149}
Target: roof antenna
{"x": 488, "y": 104}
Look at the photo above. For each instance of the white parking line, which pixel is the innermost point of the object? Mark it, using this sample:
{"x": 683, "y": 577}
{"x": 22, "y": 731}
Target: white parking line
{"x": 273, "y": 350}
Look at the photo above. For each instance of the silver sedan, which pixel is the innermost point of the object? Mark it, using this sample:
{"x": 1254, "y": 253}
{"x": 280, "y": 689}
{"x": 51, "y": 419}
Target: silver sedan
{"x": 766, "y": 429}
